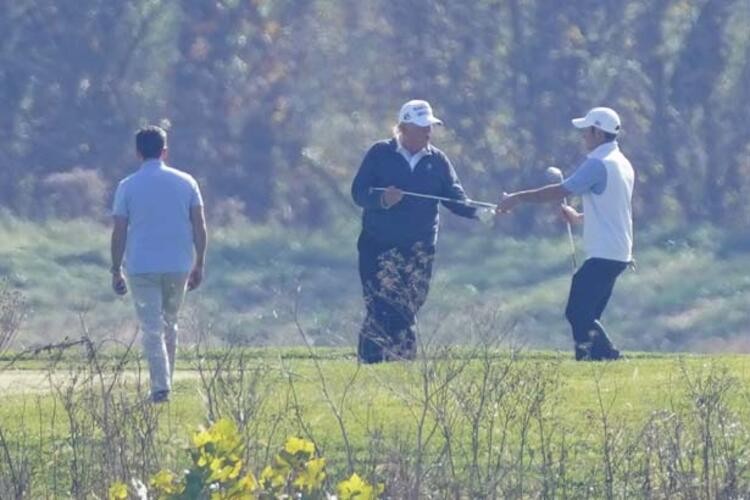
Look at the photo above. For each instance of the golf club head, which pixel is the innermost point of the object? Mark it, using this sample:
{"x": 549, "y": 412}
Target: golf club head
{"x": 486, "y": 216}
{"x": 554, "y": 174}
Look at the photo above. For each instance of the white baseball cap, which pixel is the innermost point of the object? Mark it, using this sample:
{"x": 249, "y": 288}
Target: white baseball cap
{"x": 605, "y": 119}
{"x": 419, "y": 113}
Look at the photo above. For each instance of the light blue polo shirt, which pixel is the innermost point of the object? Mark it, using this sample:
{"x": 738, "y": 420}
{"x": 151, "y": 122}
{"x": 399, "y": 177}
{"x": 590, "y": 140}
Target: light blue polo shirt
{"x": 590, "y": 176}
{"x": 157, "y": 200}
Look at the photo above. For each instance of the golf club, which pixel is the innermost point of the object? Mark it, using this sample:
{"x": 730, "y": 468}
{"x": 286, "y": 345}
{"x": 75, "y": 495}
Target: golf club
{"x": 468, "y": 202}
{"x": 486, "y": 214}
{"x": 555, "y": 174}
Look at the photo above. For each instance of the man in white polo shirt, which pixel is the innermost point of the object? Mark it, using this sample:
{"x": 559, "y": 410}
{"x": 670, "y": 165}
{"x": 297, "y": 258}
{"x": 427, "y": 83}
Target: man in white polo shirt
{"x": 605, "y": 183}
{"x": 159, "y": 227}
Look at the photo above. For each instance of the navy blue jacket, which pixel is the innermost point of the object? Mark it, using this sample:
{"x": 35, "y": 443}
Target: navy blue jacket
{"x": 412, "y": 219}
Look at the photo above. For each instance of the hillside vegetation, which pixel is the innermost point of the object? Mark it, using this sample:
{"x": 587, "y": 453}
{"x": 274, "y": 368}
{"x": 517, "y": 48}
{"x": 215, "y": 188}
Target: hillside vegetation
{"x": 688, "y": 293}
{"x": 272, "y": 104}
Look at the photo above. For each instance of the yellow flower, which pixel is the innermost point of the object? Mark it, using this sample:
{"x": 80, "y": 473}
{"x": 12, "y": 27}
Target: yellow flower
{"x": 356, "y": 488}
{"x": 202, "y": 438}
{"x": 272, "y": 478}
{"x": 248, "y": 483}
{"x": 312, "y": 476}
{"x": 225, "y": 435}
{"x": 297, "y": 446}
{"x": 118, "y": 491}
{"x": 164, "y": 482}
{"x": 203, "y": 460}
{"x": 234, "y": 471}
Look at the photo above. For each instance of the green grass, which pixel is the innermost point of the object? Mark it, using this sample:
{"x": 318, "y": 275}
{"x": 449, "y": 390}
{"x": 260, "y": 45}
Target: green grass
{"x": 688, "y": 293}
{"x": 383, "y": 405}
{"x": 638, "y": 385}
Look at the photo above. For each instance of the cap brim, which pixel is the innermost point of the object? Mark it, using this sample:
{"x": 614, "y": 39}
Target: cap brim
{"x": 580, "y": 123}
{"x": 426, "y": 121}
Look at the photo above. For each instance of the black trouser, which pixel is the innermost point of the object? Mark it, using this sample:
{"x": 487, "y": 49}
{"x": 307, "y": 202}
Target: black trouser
{"x": 395, "y": 283}
{"x": 589, "y": 293}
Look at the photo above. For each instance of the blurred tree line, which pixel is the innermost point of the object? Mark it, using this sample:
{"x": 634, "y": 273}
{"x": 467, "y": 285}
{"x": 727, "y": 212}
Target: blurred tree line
{"x": 271, "y": 104}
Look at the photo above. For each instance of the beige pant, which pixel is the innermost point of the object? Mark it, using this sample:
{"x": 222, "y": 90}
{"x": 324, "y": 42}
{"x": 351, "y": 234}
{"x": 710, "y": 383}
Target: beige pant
{"x": 158, "y": 298}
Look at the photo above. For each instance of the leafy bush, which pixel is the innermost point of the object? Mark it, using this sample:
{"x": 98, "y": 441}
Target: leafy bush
{"x": 76, "y": 193}
{"x": 12, "y": 313}
{"x": 218, "y": 473}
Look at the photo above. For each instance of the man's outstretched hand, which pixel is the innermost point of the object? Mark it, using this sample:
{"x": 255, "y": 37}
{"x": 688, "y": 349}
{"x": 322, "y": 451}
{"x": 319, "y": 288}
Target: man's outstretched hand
{"x": 507, "y": 203}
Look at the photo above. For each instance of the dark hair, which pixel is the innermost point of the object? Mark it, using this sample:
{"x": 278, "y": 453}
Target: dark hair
{"x": 608, "y": 137}
{"x": 150, "y": 141}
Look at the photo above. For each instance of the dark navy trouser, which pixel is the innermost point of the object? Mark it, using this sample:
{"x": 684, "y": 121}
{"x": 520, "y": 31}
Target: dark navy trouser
{"x": 395, "y": 284}
{"x": 589, "y": 293}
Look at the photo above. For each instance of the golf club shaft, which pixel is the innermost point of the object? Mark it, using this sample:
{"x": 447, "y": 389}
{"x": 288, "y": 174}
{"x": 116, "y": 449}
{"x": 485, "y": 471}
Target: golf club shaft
{"x": 571, "y": 241}
{"x": 472, "y": 203}
{"x": 556, "y": 174}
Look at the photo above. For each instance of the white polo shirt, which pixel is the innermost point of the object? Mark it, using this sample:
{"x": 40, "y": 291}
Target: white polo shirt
{"x": 605, "y": 183}
{"x": 157, "y": 200}
{"x": 412, "y": 159}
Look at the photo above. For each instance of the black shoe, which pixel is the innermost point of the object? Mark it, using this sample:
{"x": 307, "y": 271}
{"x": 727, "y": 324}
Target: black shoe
{"x": 613, "y": 355}
{"x": 583, "y": 351}
{"x": 602, "y": 348}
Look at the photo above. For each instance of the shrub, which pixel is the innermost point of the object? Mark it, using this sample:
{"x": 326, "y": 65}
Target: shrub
{"x": 12, "y": 313}
{"x": 77, "y": 193}
{"x": 218, "y": 472}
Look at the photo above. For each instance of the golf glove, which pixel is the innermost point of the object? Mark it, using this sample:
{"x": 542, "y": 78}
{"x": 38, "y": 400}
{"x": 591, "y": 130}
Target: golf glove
{"x": 486, "y": 216}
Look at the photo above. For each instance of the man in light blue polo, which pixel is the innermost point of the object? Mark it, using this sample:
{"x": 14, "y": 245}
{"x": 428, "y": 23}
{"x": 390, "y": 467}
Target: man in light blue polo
{"x": 605, "y": 183}
{"x": 160, "y": 230}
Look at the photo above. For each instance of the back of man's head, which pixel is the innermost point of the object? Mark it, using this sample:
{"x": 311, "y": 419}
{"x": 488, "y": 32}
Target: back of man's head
{"x": 150, "y": 142}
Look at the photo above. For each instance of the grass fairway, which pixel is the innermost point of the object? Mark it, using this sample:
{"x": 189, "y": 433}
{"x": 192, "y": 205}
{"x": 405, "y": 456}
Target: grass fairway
{"x": 480, "y": 422}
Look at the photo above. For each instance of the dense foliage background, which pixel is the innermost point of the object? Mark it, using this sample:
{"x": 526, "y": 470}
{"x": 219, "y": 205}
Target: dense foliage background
{"x": 271, "y": 104}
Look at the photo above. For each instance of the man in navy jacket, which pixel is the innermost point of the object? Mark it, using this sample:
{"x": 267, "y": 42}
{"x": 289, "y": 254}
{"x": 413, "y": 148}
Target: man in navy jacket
{"x": 397, "y": 243}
